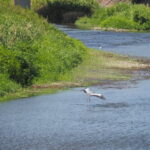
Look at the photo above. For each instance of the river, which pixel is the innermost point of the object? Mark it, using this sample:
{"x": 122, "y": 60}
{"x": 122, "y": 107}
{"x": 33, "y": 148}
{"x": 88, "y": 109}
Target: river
{"x": 65, "y": 121}
{"x": 127, "y": 43}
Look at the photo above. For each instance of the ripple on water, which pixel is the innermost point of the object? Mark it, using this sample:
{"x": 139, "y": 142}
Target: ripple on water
{"x": 111, "y": 105}
{"x": 65, "y": 121}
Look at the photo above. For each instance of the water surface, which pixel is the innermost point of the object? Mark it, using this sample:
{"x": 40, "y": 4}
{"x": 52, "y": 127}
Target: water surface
{"x": 128, "y": 43}
{"x": 66, "y": 121}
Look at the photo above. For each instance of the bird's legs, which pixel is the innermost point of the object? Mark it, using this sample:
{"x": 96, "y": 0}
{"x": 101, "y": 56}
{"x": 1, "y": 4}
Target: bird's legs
{"x": 89, "y": 99}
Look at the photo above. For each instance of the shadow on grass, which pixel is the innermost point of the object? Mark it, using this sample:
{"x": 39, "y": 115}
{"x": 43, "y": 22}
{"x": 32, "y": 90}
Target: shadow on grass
{"x": 64, "y": 12}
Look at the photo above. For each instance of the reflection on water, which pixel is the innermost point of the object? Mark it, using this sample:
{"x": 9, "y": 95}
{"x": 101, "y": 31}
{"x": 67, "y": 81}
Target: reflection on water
{"x": 66, "y": 121}
{"x": 111, "y": 105}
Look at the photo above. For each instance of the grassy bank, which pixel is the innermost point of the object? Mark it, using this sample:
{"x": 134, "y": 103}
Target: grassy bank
{"x": 62, "y": 11}
{"x": 33, "y": 51}
{"x": 95, "y": 69}
{"x": 120, "y": 16}
{"x": 90, "y": 15}
{"x": 37, "y": 58}
{"x": 100, "y": 66}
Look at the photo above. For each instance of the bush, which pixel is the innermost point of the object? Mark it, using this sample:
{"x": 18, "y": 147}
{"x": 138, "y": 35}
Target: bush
{"x": 33, "y": 50}
{"x": 59, "y": 57}
{"x": 122, "y": 15}
{"x": 118, "y": 22}
{"x": 19, "y": 66}
{"x": 92, "y": 4}
{"x": 56, "y": 10}
{"x": 141, "y": 15}
{"x": 7, "y": 86}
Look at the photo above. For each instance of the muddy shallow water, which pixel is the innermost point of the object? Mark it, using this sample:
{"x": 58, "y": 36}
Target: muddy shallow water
{"x": 66, "y": 121}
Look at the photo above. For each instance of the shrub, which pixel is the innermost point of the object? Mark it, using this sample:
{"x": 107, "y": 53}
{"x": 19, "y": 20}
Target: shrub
{"x": 56, "y": 10}
{"x": 125, "y": 16}
{"x": 118, "y": 22}
{"x": 90, "y": 3}
{"x": 31, "y": 49}
{"x": 18, "y": 65}
{"x": 141, "y": 15}
{"x": 6, "y": 85}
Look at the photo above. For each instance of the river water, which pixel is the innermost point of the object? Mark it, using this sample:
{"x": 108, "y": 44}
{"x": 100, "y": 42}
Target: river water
{"x": 127, "y": 43}
{"x": 65, "y": 121}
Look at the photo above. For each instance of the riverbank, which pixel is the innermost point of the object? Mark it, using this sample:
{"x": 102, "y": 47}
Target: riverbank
{"x": 32, "y": 50}
{"x": 91, "y": 15}
{"x": 94, "y": 70}
{"x": 101, "y": 66}
{"x": 37, "y": 58}
{"x": 120, "y": 17}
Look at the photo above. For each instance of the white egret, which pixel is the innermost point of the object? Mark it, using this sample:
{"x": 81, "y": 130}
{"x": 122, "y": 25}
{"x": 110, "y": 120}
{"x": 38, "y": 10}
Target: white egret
{"x": 90, "y": 93}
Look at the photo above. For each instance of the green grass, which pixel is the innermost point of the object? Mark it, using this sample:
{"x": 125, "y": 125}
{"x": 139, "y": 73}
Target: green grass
{"x": 7, "y": 86}
{"x": 120, "y": 16}
{"x": 37, "y": 58}
{"x": 95, "y": 69}
{"x": 62, "y": 11}
{"x": 99, "y": 66}
{"x": 88, "y": 14}
{"x": 26, "y": 92}
{"x": 32, "y": 50}
{"x": 36, "y": 4}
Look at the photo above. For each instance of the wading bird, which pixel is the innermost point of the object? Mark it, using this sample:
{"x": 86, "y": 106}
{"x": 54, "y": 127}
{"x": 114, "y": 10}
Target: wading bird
{"x": 90, "y": 93}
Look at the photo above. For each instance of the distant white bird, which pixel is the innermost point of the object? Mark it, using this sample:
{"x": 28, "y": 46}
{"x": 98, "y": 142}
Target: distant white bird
{"x": 90, "y": 93}
{"x": 100, "y": 47}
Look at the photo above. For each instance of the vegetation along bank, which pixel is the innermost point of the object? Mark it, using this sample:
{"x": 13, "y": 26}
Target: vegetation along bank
{"x": 90, "y": 14}
{"x": 33, "y": 51}
{"x": 37, "y": 58}
{"x": 120, "y": 16}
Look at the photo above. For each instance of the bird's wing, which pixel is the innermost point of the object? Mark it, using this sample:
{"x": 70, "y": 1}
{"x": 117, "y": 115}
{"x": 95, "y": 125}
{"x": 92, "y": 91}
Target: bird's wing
{"x": 88, "y": 91}
{"x": 99, "y": 96}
